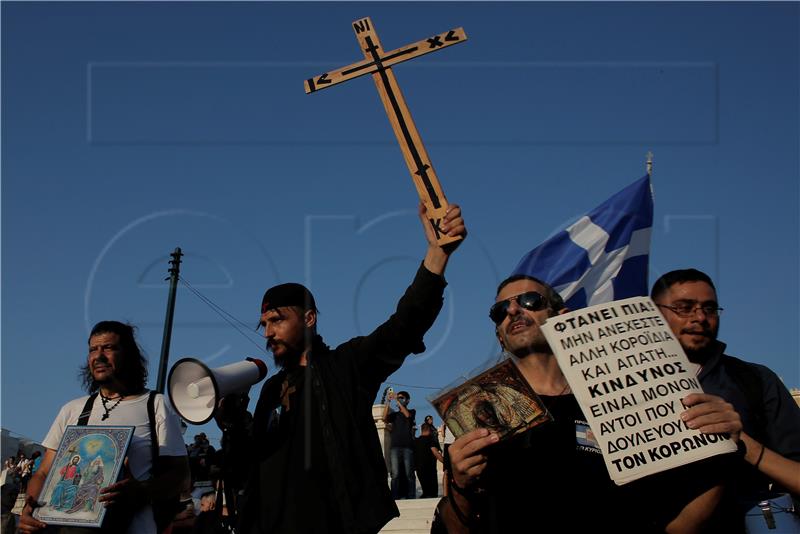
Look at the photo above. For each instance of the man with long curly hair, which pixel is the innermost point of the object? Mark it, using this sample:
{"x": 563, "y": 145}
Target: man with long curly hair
{"x": 116, "y": 372}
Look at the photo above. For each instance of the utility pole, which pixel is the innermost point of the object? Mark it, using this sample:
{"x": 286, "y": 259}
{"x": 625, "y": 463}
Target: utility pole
{"x": 174, "y": 272}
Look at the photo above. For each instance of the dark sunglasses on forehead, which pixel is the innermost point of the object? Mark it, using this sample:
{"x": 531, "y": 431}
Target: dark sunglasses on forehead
{"x": 530, "y": 300}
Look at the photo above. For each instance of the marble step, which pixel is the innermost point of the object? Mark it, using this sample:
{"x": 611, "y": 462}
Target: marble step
{"x": 416, "y": 516}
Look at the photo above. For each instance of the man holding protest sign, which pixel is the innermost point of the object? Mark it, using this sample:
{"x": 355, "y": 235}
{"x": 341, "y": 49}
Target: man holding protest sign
{"x": 770, "y": 417}
{"x": 557, "y": 468}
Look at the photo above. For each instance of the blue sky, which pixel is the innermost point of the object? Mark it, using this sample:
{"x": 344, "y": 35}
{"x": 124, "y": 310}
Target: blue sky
{"x": 131, "y": 128}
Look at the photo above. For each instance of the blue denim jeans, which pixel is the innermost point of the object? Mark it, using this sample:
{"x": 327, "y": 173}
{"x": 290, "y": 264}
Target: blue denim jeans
{"x": 402, "y": 464}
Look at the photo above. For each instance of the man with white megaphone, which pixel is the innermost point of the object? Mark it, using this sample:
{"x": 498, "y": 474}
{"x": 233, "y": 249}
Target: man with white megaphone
{"x": 313, "y": 457}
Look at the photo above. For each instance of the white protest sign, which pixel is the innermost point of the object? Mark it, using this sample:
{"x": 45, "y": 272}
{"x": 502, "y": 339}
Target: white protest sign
{"x": 629, "y": 374}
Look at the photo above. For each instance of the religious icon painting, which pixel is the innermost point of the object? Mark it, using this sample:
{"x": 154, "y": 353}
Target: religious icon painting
{"x": 88, "y": 458}
{"x": 498, "y": 399}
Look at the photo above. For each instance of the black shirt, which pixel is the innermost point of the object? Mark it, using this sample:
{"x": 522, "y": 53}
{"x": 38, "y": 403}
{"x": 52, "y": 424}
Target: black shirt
{"x": 402, "y": 432}
{"x": 297, "y": 457}
{"x": 553, "y": 478}
{"x": 347, "y": 481}
{"x": 423, "y": 456}
{"x": 547, "y": 479}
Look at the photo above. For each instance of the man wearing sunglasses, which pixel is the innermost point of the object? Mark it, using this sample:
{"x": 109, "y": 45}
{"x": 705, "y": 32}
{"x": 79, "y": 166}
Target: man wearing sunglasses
{"x": 770, "y": 417}
{"x": 552, "y": 477}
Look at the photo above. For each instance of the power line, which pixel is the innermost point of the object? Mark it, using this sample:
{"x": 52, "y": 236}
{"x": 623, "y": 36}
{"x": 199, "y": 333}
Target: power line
{"x": 227, "y": 317}
{"x": 410, "y": 386}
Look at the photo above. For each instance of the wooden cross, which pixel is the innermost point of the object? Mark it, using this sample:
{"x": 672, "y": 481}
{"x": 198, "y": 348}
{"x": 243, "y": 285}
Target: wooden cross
{"x": 286, "y": 391}
{"x": 378, "y": 63}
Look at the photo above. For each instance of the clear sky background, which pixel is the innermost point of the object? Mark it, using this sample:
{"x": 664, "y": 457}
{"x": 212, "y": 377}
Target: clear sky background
{"x": 131, "y": 128}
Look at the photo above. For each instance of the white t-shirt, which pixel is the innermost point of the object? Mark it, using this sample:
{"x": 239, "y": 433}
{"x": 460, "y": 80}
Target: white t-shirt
{"x": 129, "y": 412}
{"x": 447, "y": 436}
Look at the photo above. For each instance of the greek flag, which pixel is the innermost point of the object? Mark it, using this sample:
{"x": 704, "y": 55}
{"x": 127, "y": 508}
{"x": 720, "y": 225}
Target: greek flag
{"x": 603, "y": 256}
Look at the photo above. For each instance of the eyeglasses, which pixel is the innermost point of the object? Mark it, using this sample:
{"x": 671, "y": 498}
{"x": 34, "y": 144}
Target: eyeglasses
{"x": 687, "y": 309}
{"x": 530, "y": 300}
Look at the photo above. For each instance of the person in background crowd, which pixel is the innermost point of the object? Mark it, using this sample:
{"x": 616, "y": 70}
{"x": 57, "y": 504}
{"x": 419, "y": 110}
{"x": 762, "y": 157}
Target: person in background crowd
{"x": 401, "y": 452}
{"x": 209, "y": 520}
{"x": 201, "y": 457}
{"x": 426, "y": 453}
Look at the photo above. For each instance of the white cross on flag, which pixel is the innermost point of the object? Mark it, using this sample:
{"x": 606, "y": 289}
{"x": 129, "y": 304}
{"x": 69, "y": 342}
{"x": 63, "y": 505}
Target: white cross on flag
{"x": 601, "y": 257}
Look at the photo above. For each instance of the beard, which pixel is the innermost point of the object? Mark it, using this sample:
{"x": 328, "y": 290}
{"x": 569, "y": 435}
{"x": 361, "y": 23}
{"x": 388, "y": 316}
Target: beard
{"x": 700, "y": 355}
{"x": 699, "y": 351}
{"x": 529, "y": 342}
{"x": 105, "y": 378}
{"x": 287, "y": 357}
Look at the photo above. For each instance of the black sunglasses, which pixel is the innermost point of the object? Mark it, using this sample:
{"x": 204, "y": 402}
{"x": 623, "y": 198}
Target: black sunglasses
{"x": 530, "y": 300}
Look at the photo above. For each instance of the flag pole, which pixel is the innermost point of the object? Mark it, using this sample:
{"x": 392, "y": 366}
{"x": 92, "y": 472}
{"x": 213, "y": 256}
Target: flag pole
{"x": 649, "y": 163}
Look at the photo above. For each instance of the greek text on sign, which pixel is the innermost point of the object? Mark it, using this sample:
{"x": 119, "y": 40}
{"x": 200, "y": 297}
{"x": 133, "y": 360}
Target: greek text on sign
{"x": 629, "y": 374}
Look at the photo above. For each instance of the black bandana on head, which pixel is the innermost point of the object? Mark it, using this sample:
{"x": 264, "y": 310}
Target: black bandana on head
{"x": 290, "y": 294}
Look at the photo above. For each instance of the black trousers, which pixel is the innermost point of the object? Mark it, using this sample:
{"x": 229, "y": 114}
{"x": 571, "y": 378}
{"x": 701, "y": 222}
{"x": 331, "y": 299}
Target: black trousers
{"x": 427, "y": 477}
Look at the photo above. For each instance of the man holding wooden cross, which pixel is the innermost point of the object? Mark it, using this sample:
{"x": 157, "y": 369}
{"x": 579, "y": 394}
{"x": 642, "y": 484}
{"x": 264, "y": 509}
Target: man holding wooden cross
{"x": 314, "y": 460}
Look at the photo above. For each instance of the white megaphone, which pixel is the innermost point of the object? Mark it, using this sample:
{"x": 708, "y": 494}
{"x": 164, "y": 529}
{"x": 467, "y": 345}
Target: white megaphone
{"x": 194, "y": 389}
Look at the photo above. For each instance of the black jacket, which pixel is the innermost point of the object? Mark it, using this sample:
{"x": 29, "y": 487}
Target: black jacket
{"x": 344, "y": 384}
